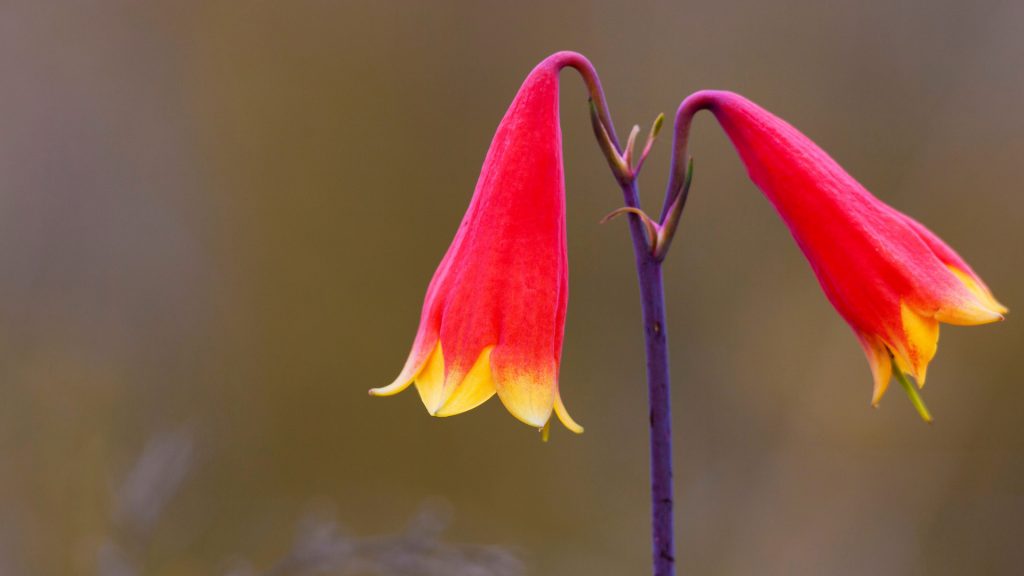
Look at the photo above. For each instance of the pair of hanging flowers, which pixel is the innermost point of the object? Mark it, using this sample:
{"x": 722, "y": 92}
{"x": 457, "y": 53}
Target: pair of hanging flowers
{"x": 494, "y": 314}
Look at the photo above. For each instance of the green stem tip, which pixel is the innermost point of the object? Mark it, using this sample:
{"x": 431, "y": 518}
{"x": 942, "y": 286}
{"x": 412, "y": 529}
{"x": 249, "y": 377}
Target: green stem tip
{"x": 912, "y": 393}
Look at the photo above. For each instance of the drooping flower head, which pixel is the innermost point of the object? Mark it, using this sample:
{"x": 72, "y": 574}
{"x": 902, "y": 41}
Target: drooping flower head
{"x": 889, "y": 277}
{"x": 494, "y": 313}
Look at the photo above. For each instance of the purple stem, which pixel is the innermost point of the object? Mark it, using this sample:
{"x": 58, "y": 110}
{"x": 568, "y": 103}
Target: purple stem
{"x": 652, "y": 301}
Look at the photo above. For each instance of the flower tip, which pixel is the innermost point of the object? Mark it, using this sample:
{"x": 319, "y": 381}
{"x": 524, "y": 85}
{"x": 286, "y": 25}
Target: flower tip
{"x": 881, "y": 385}
{"x": 658, "y": 123}
{"x": 983, "y": 308}
{"x": 564, "y": 418}
{"x": 972, "y": 314}
{"x": 532, "y": 418}
{"x": 463, "y": 393}
{"x": 391, "y": 389}
{"x": 533, "y": 409}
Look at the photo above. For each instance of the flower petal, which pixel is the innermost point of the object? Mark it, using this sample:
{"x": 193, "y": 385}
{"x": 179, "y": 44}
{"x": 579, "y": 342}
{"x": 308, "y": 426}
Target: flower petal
{"x": 430, "y": 381}
{"x": 401, "y": 383}
{"x": 476, "y": 388}
{"x": 919, "y": 344}
{"x": 413, "y": 365}
{"x": 563, "y": 415}
{"x": 526, "y": 388}
{"x": 984, "y": 309}
{"x": 881, "y": 365}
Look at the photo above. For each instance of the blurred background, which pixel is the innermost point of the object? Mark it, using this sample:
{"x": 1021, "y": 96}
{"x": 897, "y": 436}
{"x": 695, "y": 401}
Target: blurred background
{"x": 218, "y": 220}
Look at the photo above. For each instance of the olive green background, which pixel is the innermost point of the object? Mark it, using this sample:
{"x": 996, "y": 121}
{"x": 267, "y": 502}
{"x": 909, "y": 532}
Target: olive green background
{"x": 218, "y": 220}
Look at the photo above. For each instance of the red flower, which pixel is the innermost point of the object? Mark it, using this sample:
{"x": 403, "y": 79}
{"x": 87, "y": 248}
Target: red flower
{"x": 890, "y": 278}
{"x": 494, "y": 313}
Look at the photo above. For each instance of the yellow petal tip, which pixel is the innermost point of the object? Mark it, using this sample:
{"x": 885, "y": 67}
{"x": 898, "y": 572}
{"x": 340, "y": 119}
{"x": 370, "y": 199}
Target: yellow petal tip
{"x": 880, "y": 361}
{"x": 469, "y": 391}
{"x": 564, "y": 418}
{"x": 919, "y": 343}
{"x": 391, "y": 389}
{"x": 529, "y": 396}
{"x": 430, "y": 381}
{"x": 881, "y": 385}
{"x": 983, "y": 310}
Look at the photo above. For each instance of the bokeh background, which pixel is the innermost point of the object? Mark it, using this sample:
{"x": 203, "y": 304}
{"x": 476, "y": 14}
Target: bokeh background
{"x": 218, "y": 220}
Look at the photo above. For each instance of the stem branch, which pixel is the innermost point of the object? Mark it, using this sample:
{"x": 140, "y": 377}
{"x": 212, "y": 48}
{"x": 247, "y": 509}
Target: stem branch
{"x": 652, "y": 300}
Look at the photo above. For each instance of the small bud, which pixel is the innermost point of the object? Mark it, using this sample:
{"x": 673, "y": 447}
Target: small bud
{"x": 630, "y": 146}
{"x": 651, "y": 136}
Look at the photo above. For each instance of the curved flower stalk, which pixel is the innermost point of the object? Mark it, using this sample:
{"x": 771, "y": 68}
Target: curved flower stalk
{"x": 494, "y": 314}
{"x": 889, "y": 277}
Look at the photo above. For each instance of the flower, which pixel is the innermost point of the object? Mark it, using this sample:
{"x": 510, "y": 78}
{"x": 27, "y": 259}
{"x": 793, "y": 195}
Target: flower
{"x": 887, "y": 275}
{"x": 494, "y": 313}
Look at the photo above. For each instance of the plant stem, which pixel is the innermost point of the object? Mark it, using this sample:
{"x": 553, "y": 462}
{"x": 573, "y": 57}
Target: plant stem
{"x": 652, "y": 300}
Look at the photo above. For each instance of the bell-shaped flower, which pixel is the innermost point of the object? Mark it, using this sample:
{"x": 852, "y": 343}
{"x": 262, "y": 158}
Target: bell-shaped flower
{"x": 889, "y": 277}
{"x": 494, "y": 313}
